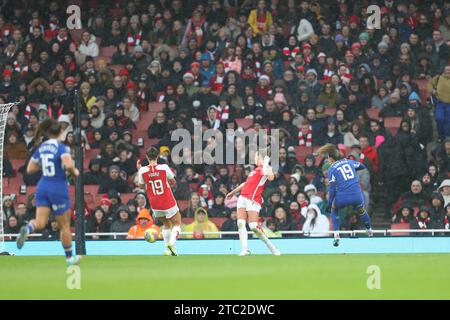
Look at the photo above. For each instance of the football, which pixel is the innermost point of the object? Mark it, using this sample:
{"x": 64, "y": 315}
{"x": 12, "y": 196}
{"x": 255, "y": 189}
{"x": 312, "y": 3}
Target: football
{"x": 151, "y": 235}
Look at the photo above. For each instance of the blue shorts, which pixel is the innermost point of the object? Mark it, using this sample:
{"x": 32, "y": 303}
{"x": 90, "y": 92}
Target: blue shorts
{"x": 345, "y": 199}
{"x": 54, "y": 196}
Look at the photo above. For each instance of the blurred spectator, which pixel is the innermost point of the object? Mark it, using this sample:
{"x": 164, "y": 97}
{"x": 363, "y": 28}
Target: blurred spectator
{"x": 230, "y": 225}
{"x": 444, "y": 189}
{"x": 282, "y": 220}
{"x": 404, "y": 215}
{"x": 12, "y": 225}
{"x": 114, "y": 181}
{"x": 200, "y": 225}
{"x": 98, "y": 223}
{"x": 422, "y": 222}
{"x": 123, "y": 222}
{"x": 193, "y": 205}
{"x": 316, "y": 224}
{"x": 219, "y": 209}
{"x": 144, "y": 221}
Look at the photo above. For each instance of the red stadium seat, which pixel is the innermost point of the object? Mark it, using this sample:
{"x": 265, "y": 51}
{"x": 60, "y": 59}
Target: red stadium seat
{"x": 193, "y": 187}
{"x": 182, "y": 204}
{"x": 156, "y": 106}
{"x": 218, "y": 221}
{"x": 187, "y": 220}
{"x": 392, "y": 124}
{"x": 330, "y": 112}
{"x": 107, "y": 51}
{"x": 301, "y": 152}
{"x": 373, "y": 113}
{"x": 244, "y": 123}
{"x": 76, "y": 34}
{"x": 125, "y": 197}
{"x": 399, "y": 226}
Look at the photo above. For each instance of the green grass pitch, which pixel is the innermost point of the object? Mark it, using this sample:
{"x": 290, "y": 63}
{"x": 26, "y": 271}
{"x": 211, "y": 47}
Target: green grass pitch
{"x": 403, "y": 276}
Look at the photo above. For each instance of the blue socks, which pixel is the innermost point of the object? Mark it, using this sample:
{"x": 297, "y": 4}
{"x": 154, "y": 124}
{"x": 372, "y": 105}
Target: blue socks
{"x": 68, "y": 251}
{"x": 364, "y": 216}
{"x": 335, "y": 219}
{"x": 30, "y": 228}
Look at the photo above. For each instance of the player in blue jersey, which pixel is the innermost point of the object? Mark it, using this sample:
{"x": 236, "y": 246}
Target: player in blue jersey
{"x": 345, "y": 189}
{"x": 52, "y": 191}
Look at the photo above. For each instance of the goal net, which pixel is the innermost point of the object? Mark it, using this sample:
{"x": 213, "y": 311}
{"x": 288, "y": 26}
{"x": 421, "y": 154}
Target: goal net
{"x": 4, "y": 110}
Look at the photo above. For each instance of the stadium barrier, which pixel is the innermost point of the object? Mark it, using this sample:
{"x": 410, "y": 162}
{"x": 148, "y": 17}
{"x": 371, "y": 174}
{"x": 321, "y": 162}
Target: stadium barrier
{"x": 351, "y": 233}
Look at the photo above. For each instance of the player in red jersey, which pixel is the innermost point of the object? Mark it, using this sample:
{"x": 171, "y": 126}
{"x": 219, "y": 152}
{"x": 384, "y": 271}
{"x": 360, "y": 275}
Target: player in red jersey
{"x": 250, "y": 201}
{"x": 156, "y": 179}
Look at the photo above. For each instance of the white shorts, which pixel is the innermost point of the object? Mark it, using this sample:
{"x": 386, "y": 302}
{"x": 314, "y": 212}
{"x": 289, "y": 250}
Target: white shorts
{"x": 169, "y": 213}
{"x": 248, "y": 204}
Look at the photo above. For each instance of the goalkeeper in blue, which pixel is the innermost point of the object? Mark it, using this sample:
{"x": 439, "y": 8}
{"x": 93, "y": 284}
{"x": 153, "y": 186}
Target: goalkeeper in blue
{"x": 52, "y": 191}
{"x": 345, "y": 189}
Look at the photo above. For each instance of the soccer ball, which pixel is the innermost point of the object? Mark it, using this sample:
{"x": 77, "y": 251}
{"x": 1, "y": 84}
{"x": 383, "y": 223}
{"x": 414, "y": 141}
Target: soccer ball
{"x": 151, "y": 235}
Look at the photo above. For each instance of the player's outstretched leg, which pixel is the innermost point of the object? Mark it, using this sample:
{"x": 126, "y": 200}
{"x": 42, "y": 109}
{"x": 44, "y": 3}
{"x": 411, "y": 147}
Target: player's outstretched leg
{"x": 42, "y": 214}
{"x": 175, "y": 233}
{"x": 364, "y": 216}
{"x": 166, "y": 231}
{"x": 63, "y": 221}
{"x": 261, "y": 234}
{"x": 243, "y": 237}
{"x": 336, "y": 221}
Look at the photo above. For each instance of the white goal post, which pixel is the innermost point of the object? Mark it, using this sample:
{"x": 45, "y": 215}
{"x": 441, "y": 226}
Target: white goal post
{"x": 4, "y": 110}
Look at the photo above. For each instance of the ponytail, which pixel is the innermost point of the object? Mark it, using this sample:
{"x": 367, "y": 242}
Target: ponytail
{"x": 46, "y": 129}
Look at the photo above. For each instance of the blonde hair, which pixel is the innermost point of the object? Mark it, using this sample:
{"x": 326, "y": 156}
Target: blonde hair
{"x": 329, "y": 150}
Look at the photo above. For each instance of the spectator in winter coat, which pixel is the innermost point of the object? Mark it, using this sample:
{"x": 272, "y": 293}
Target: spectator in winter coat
{"x": 230, "y": 225}
{"x": 393, "y": 173}
{"x": 219, "y": 209}
{"x": 282, "y": 221}
{"x": 114, "y": 182}
{"x": 95, "y": 176}
{"x": 444, "y": 189}
{"x": 404, "y": 215}
{"x": 415, "y": 196}
{"x": 98, "y": 223}
{"x": 413, "y": 152}
{"x": 316, "y": 224}
{"x": 123, "y": 223}
{"x": 422, "y": 222}
{"x": 144, "y": 221}
{"x": 201, "y": 225}
{"x": 15, "y": 148}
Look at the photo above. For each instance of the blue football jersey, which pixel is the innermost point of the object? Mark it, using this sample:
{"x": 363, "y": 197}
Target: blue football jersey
{"x": 48, "y": 156}
{"x": 343, "y": 174}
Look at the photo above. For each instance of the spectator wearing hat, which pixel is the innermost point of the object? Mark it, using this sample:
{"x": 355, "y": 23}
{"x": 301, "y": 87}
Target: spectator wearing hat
{"x": 304, "y": 30}
{"x": 444, "y": 189}
{"x": 6, "y": 86}
{"x": 332, "y": 135}
{"x": 420, "y": 119}
{"x": 114, "y": 182}
{"x": 144, "y": 221}
{"x": 123, "y": 221}
{"x": 95, "y": 175}
{"x": 28, "y": 136}
{"x": 422, "y": 221}
{"x": 405, "y": 214}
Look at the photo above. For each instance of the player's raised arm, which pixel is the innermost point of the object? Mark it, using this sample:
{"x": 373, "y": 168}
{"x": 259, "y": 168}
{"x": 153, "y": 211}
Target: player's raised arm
{"x": 236, "y": 190}
{"x": 267, "y": 169}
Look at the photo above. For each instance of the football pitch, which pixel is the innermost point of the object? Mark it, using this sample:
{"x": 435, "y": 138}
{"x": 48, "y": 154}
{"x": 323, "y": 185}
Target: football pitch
{"x": 401, "y": 276}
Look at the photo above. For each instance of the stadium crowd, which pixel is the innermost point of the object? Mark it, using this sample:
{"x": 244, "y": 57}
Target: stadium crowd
{"x": 312, "y": 69}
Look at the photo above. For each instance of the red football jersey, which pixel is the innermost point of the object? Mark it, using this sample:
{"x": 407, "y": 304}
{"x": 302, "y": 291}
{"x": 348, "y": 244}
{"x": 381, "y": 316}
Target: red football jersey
{"x": 254, "y": 185}
{"x": 156, "y": 182}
